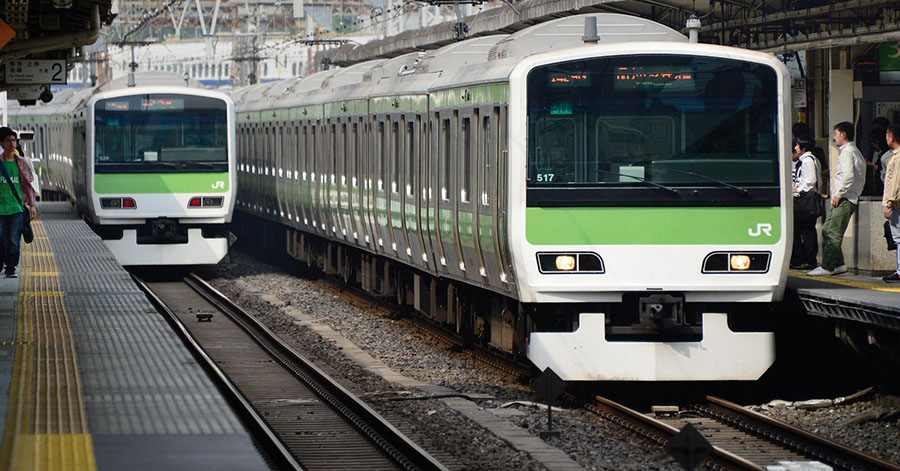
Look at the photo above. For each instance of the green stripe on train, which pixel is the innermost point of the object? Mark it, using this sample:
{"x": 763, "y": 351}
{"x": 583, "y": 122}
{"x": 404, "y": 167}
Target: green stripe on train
{"x": 652, "y": 226}
{"x": 119, "y": 183}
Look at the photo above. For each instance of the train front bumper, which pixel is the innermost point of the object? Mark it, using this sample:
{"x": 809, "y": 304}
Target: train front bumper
{"x": 586, "y": 355}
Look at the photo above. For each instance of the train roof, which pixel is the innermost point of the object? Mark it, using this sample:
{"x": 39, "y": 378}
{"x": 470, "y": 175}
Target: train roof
{"x": 486, "y": 59}
{"x": 151, "y": 79}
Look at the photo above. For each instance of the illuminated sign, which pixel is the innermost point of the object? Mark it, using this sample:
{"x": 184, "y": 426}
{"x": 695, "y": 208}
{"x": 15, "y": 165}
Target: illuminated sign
{"x": 561, "y": 108}
{"x": 655, "y": 78}
{"x": 560, "y": 79}
{"x": 144, "y": 103}
{"x": 162, "y": 104}
{"x": 116, "y": 106}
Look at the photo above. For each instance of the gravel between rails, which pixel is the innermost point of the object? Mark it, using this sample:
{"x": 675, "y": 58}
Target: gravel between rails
{"x": 458, "y": 442}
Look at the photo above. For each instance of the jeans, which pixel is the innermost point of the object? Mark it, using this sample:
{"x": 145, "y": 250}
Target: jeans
{"x": 895, "y": 233}
{"x": 10, "y": 240}
{"x": 833, "y": 232}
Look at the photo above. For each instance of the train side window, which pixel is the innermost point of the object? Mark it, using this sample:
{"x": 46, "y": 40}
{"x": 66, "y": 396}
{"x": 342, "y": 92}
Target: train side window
{"x": 411, "y": 156}
{"x": 489, "y": 156}
{"x": 379, "y": 151}
{"x": 345, "y": 154}
{"x": 465, "y": 157}
{"x": 353, "y": 153}
{"x": 396, "y": 150}
{"x": 331, "y": 161}
{"x": 445, "y": 156}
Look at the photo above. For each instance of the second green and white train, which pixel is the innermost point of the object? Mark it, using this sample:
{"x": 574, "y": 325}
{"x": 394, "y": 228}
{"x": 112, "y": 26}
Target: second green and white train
{"x": 149, "y": 165}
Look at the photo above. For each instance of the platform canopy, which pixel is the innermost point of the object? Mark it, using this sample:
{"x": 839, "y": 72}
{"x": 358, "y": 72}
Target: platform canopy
{"x": 779, "y": 26}
{"x": 50, "y": 29}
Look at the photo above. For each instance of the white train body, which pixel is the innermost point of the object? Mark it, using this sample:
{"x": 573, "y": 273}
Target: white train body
{"x": 151, "y": 167}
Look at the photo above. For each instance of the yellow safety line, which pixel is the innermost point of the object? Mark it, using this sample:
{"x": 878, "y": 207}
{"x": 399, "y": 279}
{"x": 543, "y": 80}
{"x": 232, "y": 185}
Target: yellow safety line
{"x": 837, "y": 280}
{"x": 46, "y": 425}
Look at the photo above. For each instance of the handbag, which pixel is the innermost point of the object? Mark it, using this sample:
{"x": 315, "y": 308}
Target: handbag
{"x": 809, "y": 204}
{"x": 889, "y": 237}
{"x": 27, "y": 232}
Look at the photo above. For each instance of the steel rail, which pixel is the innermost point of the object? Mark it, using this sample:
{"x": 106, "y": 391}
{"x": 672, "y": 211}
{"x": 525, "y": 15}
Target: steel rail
{"x": 661, "y": 433}
{"x": 267, "y": 438}
{"x": 407, "y": 453}
{"x": 808, "y": 443}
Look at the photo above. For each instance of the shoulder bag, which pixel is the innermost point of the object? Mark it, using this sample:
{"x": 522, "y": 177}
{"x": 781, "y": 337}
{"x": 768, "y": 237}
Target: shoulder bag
{"x": 27, "y": 232}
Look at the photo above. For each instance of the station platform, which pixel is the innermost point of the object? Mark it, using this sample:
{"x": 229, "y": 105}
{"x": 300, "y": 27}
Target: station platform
{"x": 92, "y": 377}
{"x": 864, "y": 299}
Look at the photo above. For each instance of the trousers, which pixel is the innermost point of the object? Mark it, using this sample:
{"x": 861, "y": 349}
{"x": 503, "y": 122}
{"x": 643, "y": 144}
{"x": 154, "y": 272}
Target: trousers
{"x": 833, "y": 232}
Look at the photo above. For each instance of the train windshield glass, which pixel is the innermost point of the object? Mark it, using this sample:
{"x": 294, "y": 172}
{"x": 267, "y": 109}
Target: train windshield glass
{"x": 638, "y": 120}
{"x": 164, "y": 132}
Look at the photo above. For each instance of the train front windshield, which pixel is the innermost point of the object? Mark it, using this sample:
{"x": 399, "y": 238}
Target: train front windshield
{"x": 161, "y": 133}
{"x": 639, "y": 124}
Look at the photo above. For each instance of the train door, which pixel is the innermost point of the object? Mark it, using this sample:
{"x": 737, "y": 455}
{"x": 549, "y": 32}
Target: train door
{"x": 502, "y": 201}
{"x": 355, "y": 181}
{"x": 381, "y": 177}
{"x": 329, "y": 200}
{"x": 395, "y": 195}
{"x": 466, "y": 200}
{"x": 316, "y": 178}
{"x": 280, "y": 183}
{"x": 447, "y": 192}
{"x": 411, "y": 157}
{"x": 487, "y": 150}
{"x": 367, "y": 176}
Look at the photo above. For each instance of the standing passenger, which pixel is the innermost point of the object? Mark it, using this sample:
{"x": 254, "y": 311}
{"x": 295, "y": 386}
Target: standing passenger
{"x": 846, "y": 187}
{"x": 12, "y": 198}
{"x": 891, "y": 198}
{"x": 806, "y": 204}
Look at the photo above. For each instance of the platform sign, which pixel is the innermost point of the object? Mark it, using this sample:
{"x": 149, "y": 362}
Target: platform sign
{"x": 6, "y": 33}
{"x": 36, "y": 72}
{"x": 25, "y": 92}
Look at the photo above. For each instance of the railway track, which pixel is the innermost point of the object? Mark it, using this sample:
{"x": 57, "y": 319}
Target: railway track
{"x": 302, "y": 417}
{"x": 740, "y": 438}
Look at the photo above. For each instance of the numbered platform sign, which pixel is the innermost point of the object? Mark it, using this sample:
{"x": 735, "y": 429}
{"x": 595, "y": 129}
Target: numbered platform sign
{"x": 36, "y": 72}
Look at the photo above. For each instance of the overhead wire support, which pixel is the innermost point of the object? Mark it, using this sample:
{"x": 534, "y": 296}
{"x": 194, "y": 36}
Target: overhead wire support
{"x": 461, "y": 28}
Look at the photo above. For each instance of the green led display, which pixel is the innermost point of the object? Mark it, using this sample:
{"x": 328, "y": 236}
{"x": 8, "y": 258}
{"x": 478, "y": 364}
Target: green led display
{"x": 560, "y": 108}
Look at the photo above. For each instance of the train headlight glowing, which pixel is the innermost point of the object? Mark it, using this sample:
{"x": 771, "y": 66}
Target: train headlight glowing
{"x": 737, "y": 262}
{"x": 578, "y": 262}
{"x": 565, "y": 262}
{"x": 740, "y": 262}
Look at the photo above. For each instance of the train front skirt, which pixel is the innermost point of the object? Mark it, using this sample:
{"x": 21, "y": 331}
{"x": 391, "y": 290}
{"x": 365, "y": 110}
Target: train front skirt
{"x": 198, "y": 250}
{"x": 586, "y": 354}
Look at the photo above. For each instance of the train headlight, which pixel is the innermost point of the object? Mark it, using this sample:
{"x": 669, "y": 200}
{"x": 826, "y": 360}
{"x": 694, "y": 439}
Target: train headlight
{"x": 565, "y": 262}
{"x": 582, "y": 262}
{"x": 740, "y": 262}
{"x": 737, "y": 262}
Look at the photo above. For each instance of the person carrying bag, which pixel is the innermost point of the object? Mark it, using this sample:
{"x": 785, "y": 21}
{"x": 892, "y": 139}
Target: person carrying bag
{"x": 809, "y": 205}
{"x": 17, "y": 202}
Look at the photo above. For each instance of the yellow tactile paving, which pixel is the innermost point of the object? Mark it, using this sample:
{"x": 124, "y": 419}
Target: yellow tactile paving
{"x": 839, "y": 280}
{"x": 46, "y": 427}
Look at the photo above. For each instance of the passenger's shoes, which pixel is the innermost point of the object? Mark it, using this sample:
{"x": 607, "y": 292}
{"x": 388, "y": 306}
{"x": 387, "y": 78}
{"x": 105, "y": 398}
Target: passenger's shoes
{"x": 807, "y": 266}
{"x": 11, "y": 275}
{"x": 839, "y": 269}
{"x": 892, "y": 278}
{"x": 819, "y": 271}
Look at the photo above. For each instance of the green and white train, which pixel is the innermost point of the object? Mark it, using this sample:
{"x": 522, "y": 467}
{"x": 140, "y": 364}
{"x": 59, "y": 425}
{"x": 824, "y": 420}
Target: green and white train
{"x": 150, "y": 166}
{"x": 615, "y": 210}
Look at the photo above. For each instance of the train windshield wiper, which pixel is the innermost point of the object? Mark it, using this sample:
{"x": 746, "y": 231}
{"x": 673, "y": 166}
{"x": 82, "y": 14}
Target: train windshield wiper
{"x": 721, "y": 182}
{"x": 642, "y": 180}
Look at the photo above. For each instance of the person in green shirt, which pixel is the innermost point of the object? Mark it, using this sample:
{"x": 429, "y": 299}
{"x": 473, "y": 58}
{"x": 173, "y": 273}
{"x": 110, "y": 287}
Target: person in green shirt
{"x": 13, "y": 205}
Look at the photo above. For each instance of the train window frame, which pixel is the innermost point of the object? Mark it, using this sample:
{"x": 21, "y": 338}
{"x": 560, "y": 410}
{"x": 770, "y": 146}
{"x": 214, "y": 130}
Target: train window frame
{"x": 379, "y": 151}
{"x": 396, "y": 151}
{"x": 411, "y": 126}
{"x": 464, "y": 154}
{"x": 444, "y": 140}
